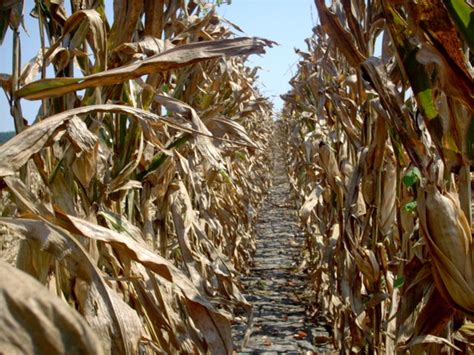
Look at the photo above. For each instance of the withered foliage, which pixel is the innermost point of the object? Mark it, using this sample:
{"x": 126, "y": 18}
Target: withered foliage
{"x": 135, "y": 189}
{"x": 380, "y": 153}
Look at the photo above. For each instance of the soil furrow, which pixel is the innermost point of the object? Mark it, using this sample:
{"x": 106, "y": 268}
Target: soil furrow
{"x": 274, "y": 286}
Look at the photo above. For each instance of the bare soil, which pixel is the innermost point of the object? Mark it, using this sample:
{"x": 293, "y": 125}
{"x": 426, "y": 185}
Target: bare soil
{"x": 280, "y": 321}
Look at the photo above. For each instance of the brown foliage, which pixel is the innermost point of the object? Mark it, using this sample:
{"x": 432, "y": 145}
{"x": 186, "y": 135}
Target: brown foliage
{"x": 380, "y": 151}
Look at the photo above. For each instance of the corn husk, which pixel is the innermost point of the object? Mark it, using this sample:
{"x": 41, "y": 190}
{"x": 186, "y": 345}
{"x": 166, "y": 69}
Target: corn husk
{"x": 449, "y": 239}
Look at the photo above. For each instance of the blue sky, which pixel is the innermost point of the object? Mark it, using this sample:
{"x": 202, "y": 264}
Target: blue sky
{"x": 287, "y": 22}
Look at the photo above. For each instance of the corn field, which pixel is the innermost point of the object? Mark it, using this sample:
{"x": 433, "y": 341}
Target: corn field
{"x": 380, "y": 149}
{"x": 133, "y": 192}
{"x": 128, "y": 207}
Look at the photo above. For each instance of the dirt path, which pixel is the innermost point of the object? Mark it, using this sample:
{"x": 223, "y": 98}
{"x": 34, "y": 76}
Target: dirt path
{"x": 274, "y": 286}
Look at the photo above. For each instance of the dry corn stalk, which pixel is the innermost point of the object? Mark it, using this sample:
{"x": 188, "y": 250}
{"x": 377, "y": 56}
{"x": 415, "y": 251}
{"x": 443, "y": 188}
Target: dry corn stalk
{"x": 135, "y": 196}
{"x": 386, "y": 118}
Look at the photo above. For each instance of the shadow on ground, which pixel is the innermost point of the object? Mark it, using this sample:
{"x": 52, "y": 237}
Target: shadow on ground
{"x": 280, "y": 322}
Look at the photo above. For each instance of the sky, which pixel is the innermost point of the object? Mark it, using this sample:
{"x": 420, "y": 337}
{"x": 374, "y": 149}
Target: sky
{"x": 287, "y": 22}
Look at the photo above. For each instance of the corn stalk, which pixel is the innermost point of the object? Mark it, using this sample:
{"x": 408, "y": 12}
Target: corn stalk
{"x": 381, "y": 152}
{"x": 146, "y": 164}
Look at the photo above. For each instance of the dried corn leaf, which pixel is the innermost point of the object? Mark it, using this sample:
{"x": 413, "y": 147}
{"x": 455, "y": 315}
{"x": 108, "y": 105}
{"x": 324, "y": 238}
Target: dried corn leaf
{"x": 35, "y": 320}
{"x": 114, "y": 322}
{"x": 211, "y": 323}
{"x": 171, "y": 59}
{"x": 16, "y": 152}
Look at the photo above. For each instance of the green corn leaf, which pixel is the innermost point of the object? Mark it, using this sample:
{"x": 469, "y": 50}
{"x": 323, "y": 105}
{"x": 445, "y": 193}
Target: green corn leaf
{"x": 416, "y": 73}
{"x": 410, "y": 207}
{"x": 412, "y": 177}
{"x": 462, "y": 14}
{"x": 160, "y": 158}
{"x": 399, "y": 282}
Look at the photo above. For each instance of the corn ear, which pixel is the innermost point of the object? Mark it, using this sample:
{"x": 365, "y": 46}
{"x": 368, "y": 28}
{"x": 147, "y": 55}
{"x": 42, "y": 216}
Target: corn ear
{"x": 448, "y": 236}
